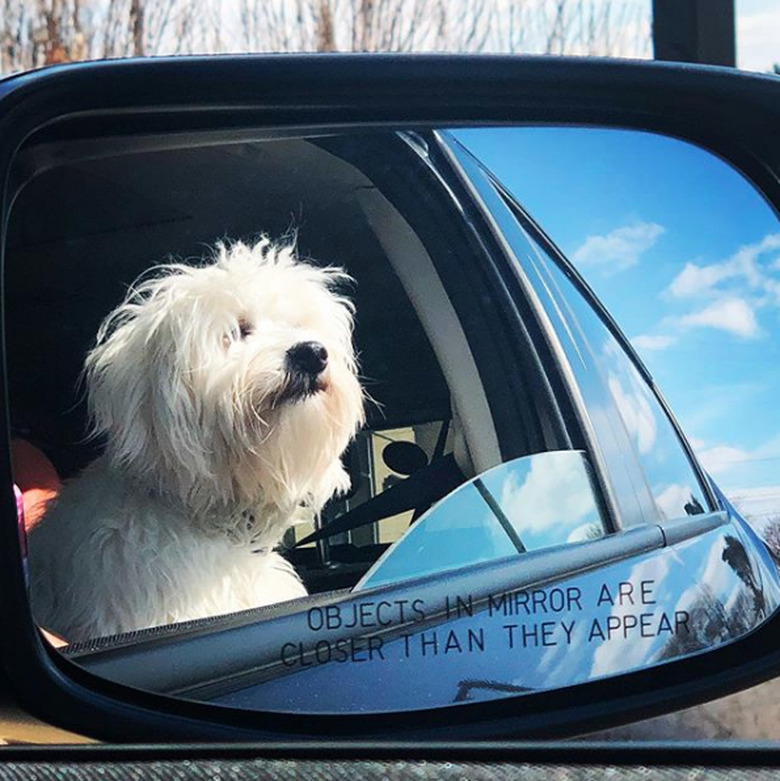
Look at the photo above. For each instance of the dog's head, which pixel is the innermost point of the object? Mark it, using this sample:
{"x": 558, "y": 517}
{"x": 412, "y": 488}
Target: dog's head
{"x": 228, "y": 383}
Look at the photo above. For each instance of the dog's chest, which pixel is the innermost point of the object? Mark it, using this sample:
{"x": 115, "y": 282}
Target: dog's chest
{"x": 225, "y": 579}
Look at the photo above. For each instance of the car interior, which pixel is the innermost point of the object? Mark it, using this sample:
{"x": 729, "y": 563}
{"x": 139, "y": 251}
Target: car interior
{"x": 86, "y": 222}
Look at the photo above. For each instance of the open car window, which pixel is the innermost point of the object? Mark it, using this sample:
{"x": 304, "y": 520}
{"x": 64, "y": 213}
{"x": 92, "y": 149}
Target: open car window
{"x": 434, "y": 359}
{"x": 379, "y": 459}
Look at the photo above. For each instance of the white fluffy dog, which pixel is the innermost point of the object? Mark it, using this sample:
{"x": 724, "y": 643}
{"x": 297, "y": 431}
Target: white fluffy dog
{"x": 226, "y": 394}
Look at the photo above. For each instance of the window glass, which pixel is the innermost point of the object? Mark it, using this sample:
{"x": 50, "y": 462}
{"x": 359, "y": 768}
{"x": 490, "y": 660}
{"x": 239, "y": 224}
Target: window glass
{"x": 672, "y": 481}
{"x": 649, "y": 472}
{"x": 612, "y": 448}
{"x": 524, "y": 505}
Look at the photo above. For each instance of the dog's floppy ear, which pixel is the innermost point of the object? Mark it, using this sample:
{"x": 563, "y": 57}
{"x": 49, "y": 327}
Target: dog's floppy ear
{"x": 139, "y": 394}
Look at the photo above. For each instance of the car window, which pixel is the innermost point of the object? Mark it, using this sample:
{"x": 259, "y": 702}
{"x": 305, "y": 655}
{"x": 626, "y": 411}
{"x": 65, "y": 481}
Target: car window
{"x": 379, "y": 459}
{"x": 426, "y": 351}
{"x": 528, "y": 504}
{"x": 611, "y": 446}
{"x": 673, "y": 483}
{"x": 649, "y": 471}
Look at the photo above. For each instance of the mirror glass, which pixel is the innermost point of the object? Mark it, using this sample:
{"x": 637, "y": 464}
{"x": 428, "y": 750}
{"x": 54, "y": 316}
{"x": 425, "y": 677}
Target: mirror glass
{"x": 282, "y": 440}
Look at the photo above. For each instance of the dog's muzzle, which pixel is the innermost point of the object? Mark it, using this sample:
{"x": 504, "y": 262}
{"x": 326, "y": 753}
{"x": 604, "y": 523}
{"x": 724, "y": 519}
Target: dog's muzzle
{"x": 305, "y": 363}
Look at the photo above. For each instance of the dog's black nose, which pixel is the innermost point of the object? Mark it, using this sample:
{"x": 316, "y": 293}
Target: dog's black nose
{"x": 307, "y": 357}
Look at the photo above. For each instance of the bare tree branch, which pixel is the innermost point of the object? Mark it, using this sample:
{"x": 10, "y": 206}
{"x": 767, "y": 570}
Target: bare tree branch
{"x": 39, "y": 32}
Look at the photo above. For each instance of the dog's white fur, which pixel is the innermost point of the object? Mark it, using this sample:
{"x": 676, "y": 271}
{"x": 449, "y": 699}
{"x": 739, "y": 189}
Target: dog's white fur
{"x": 206, "y": 461}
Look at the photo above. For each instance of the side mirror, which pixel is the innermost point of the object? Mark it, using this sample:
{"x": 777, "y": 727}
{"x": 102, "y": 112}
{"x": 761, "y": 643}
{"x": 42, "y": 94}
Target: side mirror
{"x": 523, "y": 541}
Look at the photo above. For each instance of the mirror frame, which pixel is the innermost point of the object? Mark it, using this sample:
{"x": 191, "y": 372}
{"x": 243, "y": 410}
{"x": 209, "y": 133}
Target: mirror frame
{"x": 731, "y": 114}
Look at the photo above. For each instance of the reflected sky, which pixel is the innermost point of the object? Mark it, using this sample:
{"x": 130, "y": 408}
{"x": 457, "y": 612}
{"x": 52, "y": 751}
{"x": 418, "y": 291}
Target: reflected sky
{"x": 686, "y": 256}
{"x": 547, "y": 499}
{"x": 670, "y": 477}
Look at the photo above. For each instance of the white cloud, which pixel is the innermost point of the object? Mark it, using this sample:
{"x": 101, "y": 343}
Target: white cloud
{"x": 649, "y": 342}
{"x": 757, "y": 35}
{"x": 756, "y": 504}
{"x": 733, "y": 315}
{"x": 696, "y": 280}
{"x": 619, "y": 249}
{"x": 737, "y": 287}
{"x": 588, "y": 531}
{"x": 672, "y": 500}
{"x": 631, "y": 396}
{"x": 721, "y": 458}
{"x": 747, "y": 476}
{"x": 555, "y": 494}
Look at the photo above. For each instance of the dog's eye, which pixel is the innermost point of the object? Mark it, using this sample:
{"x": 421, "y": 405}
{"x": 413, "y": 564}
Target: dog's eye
{"x": 237, "y": 333}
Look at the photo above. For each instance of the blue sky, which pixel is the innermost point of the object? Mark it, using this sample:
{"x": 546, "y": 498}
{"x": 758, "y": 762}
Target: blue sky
{"x": 686, "y": 255}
